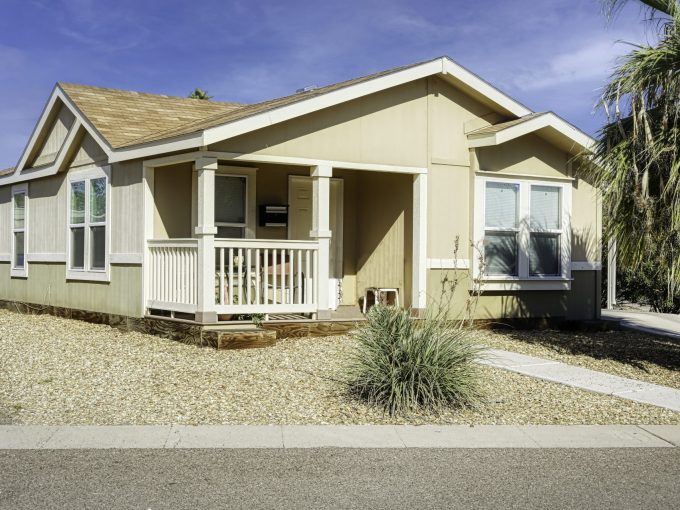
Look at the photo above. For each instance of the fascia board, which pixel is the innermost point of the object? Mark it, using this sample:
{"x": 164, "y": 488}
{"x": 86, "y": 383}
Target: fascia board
{"x": 486, "y": 89}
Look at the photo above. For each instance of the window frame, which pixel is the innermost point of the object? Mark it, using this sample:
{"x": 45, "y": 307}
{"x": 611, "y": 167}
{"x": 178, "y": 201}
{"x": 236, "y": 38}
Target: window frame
{"x": 245, "y": 223}
{"x": 523, "y": 280}
{"x": 22, "y": 271}
{"x": 87, "y": 273}
{"x": 251, "y": 196}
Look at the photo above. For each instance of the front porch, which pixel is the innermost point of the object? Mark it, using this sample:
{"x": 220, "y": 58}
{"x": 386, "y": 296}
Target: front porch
{"x": 348, "y": 226}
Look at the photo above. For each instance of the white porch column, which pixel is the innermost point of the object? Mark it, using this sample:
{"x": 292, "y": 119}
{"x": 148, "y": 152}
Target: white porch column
{"x": 419, "y": 270}
{"x": 321, "y": 203}
{"x": 205, "y": 232}
{"x": 148, "y": 213}
{"x": 611, "y": 274}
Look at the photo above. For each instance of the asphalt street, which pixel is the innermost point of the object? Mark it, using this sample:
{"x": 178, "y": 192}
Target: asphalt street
{"x": 341, "y": 478}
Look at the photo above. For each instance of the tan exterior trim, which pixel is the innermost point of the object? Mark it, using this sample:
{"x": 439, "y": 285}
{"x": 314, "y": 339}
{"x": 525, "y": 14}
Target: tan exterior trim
{"x": 586, "y": 266}
{"x": 448, "y": 263}
{"x": 281, "y": 160}
{"x": 525, "y": 176}
{"x": 46, "y": 257}
{"x": 127, "y": 258}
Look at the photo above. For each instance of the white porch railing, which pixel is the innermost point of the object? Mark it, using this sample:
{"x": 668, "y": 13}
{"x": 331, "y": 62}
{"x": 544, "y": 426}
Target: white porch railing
{"x": 251, "y": 276}
{"x": 173, "y": 271}
{"x": 266, "y": 276}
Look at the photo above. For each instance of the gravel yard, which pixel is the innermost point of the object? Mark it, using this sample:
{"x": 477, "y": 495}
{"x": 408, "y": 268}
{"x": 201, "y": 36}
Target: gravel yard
{"x": 629, "y": 354}
{"x": 60, "y": 371}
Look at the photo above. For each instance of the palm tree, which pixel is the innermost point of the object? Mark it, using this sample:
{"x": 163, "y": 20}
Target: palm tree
{"x": 638, "y": 167}
{"x": 200, "y": 94}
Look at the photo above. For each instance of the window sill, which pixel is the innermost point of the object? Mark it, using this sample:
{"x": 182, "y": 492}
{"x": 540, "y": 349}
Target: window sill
{"x": 88, "y": 276}
{"x": 513, "y": 283}
{"x": 18, "y": 273}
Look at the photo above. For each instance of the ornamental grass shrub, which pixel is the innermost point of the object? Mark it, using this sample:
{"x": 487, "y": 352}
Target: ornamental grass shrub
{"x": 405, "y": 365}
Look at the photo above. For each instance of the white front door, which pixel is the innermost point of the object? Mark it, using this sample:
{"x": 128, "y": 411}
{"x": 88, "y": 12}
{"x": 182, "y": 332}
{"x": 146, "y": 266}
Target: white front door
{"x": 300, "y": 223}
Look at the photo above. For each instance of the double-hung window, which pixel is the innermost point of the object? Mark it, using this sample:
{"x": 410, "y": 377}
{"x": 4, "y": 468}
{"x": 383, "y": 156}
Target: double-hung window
{"x": 19, "y": 267}
{"x": 545, "y": 230}
{"x": 231, "y": 205}
{"x": 501, "y": 228}
{"x": 88, "y": 227}
{"x": 522, "y": 231}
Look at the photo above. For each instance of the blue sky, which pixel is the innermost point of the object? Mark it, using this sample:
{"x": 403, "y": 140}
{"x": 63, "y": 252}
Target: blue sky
{"x": 549, "y": 54}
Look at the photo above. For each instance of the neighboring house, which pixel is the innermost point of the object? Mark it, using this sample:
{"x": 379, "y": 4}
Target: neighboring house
{"x": 134, "y": 204}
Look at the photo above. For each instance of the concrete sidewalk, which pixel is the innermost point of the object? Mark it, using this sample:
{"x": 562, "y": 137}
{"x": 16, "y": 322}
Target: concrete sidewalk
{"x": 337, "y": 436}
{"x": 591, "y": 380}
{"x": 664, "y": 324}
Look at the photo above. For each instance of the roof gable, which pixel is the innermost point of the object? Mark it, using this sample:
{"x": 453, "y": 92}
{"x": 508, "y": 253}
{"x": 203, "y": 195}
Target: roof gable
{"x": 546, "y": 124}
{"x": 129, "y": 125}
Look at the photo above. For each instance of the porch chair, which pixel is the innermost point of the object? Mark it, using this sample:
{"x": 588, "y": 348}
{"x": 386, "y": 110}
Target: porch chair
{"x": 381, "y": 295}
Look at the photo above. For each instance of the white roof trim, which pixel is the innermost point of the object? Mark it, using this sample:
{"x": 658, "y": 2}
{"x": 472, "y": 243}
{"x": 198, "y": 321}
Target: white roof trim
{"x": 28, "y": 174}
{"x": 548, "y": 119}
{"x": 21, "y": 173}
{"x": 483, "y": 87}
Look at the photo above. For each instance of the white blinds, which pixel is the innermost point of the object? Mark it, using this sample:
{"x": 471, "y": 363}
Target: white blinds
{"x": 19, "y": 208}
{"x": 230, "y": 199}
{"x": 501, "y": 204}
{"x": 545, "y": 208}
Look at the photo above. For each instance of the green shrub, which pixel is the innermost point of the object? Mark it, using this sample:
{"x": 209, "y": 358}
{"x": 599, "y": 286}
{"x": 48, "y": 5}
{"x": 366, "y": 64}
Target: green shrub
{"x": 404, "y": 365}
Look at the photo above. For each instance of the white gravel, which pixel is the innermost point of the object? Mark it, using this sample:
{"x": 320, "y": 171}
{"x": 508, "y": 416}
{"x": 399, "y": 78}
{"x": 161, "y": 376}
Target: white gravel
{"x": 60, "y": 371}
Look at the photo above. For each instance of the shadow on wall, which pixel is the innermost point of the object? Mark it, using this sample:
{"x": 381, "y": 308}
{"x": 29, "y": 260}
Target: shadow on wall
{"x": 582, "y": 302}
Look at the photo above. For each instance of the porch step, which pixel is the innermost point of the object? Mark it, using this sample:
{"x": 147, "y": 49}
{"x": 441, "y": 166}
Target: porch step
{"x": 245, "y": 338}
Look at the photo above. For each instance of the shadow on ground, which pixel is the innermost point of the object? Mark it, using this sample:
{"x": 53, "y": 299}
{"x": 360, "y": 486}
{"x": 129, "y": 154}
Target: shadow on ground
{"x": 628, "y": 347}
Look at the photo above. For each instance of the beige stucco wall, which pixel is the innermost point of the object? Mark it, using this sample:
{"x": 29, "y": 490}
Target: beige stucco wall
{"x": 47, "y": 234}
{"x": 586, "y": 221}
{"x": 87, "y": 152}
{"x": 527, "y": 154}
{"x": 424, "y": 124}
{"x": 54, "y": 139}
{"x": 172, "y": 197}
{"x": 421, "y": 124}
{"x": 389, "y": 127}
{"x": 127, "y": 192}
{"x": 47, "y": 214}
{"x": 448, "y": 218}
{"x": 47, "y": 285}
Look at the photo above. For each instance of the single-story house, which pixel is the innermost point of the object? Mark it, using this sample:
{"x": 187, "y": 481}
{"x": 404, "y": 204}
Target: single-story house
{"x": 141, "y": 205}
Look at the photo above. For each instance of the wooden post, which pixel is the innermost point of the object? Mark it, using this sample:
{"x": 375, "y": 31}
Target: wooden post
{"x": 205, "y": 232}
{"x": 321, "y": 200}
{"x": 419, "y": 270}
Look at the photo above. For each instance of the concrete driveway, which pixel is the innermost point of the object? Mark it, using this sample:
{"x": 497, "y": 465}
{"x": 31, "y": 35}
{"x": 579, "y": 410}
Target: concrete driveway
{"x": 665, "y": 324}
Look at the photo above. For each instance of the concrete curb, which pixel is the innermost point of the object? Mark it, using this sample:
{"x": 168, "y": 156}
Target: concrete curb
{"x": 336, "y": 436}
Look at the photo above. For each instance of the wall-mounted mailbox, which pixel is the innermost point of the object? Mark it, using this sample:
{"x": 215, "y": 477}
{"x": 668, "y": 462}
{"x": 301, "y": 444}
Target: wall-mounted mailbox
{"x": 273, "y": 215}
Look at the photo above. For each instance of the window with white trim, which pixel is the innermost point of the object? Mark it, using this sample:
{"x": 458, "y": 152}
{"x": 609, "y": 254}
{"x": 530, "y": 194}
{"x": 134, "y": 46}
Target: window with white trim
{"x": 19, "y": 266}
{"x": 522, "y": 229}
{"x": 88, "y": 227}
{"x": 231, "y": 205}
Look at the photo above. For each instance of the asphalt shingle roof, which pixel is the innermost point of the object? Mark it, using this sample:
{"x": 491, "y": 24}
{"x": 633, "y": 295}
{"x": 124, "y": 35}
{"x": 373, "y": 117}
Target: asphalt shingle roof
{"x": 127, "y": 118}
